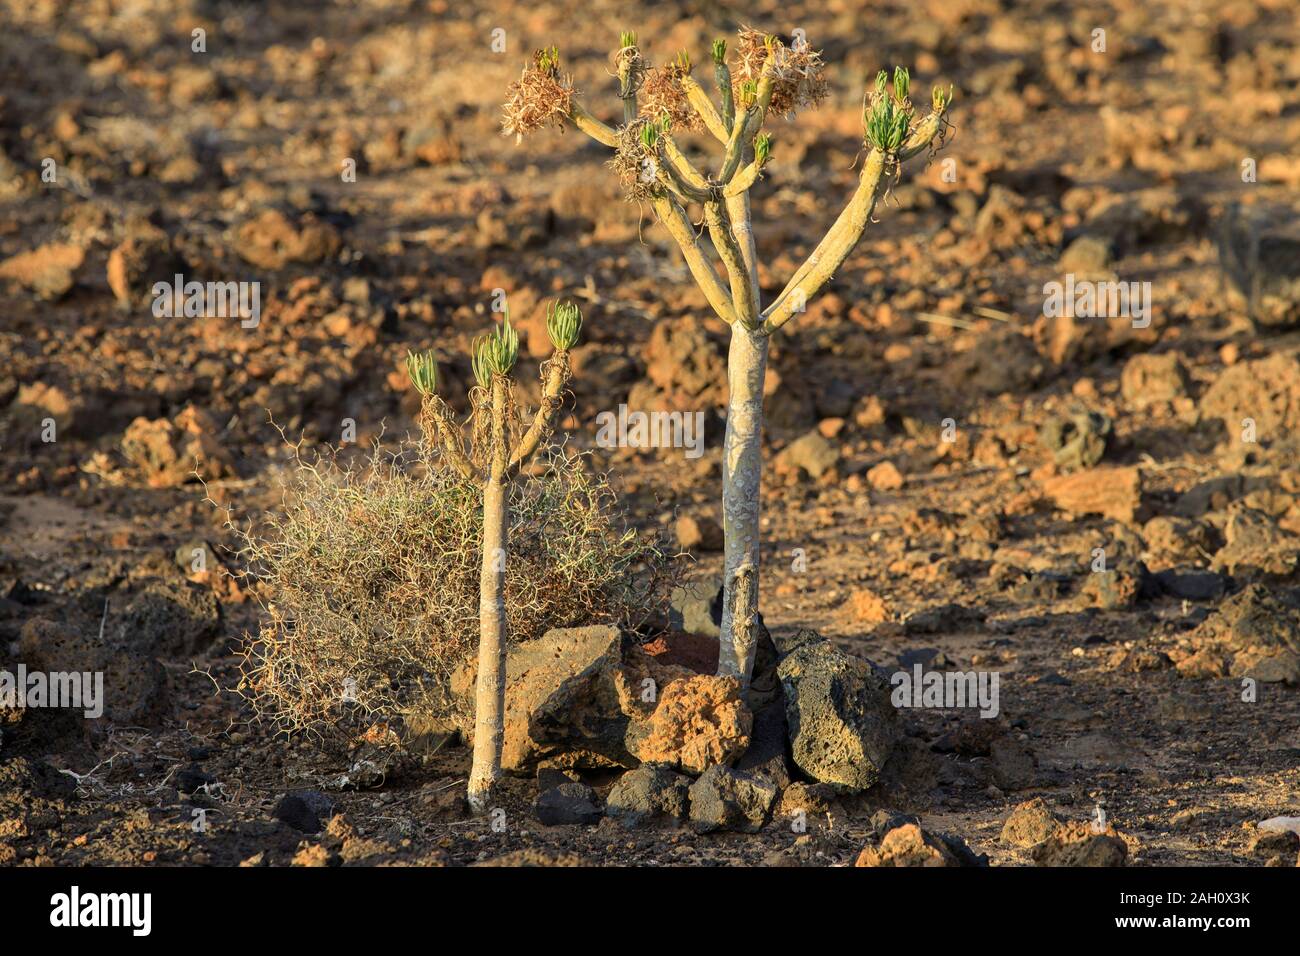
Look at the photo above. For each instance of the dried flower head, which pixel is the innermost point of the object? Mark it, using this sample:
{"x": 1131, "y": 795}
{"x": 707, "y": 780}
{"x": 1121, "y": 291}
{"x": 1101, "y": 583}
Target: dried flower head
{"x": 542, "y": 94}
{"x": 662, "y": 95}
{"x": 636, "y": 161}
{"x": 751, "y": 52}
{"x": 798, "y": 72}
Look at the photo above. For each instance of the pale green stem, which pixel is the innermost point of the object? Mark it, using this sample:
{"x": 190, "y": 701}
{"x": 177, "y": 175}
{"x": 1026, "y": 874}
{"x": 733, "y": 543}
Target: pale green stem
{"x": 833, "y": 248}
{"x": 743, "y": 180}
{"x": 704, "y": 107}
{"x": 684, "y": 167}
{"x": 844, "y": 235}
{"x": 675, "y": 220}
{"x": 746, "y": 127}
{"x": 743, "y": 291}
{"x": 554, "y": 376}
{"x": 600, "y": 132}
{"x": 722, "y": 76}
{"x": 490, "y": 690}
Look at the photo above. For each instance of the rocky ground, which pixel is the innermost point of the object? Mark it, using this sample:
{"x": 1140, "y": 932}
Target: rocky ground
{"x": 1107, "y": 515}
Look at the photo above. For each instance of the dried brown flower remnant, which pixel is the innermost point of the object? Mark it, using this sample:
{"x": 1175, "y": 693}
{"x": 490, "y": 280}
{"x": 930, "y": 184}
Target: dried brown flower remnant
{"x": 798, "y": 71}
{"x": 634, "y": 162}
{"x": 662, "y": 95}
{"x": 542, "y": 94}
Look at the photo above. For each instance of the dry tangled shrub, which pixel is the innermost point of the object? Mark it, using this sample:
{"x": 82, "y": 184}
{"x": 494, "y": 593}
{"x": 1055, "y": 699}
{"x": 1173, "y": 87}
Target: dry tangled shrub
{"x": 370, "y": 577}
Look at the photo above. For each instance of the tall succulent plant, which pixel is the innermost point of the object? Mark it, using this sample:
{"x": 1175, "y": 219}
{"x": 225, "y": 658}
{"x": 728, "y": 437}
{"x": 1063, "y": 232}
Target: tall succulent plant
{"x": 494, "y": 457}
{"x": 768, "y": 78}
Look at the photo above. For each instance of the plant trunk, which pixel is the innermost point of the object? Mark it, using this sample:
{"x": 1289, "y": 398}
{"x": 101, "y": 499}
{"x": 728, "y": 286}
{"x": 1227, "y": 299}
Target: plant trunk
{"x": 742, "y": 463}
{"x": 490, "y": 690}
{"x": 742, "y": 466}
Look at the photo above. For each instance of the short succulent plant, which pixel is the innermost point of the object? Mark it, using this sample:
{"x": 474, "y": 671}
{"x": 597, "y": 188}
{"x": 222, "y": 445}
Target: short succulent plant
{"x": 494, "y": 458}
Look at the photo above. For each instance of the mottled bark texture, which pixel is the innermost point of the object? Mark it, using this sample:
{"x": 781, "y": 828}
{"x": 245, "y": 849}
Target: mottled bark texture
{"x": 490, "y": 694}
{"x": 742, "y": 465}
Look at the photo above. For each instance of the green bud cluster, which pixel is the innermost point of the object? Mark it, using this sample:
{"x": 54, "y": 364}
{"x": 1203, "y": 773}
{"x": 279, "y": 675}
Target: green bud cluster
{"x": 650, "y": 136}
{"x": 748, "y": 94}
{"x": 902, "y": 85}
{"x": 548, "y": 59}
{"x": 495, "y": 353}
{"x": 422, "y": 369}
{"x": 563, "y": 323}
{"x": 887, "y": 118}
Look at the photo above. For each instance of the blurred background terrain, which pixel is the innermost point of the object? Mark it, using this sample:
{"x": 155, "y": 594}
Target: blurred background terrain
{"x": 1173, "y": 156}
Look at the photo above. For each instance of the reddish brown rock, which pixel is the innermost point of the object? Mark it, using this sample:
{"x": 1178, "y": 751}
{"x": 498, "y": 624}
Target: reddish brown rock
{"x": 1256, "y": 545}
{"x": 685, "y": 365}
{"x": 885, "y": 477}
{"x": 1265, "y": 393}
{"x": 48, "y": 400}
{"x": 1030, "y": 824}
{"x": 170, "y": 453}
{"x": 1171, "y": 540}
{"x": 1110, "y": 492}
{"x": 908, "y": 845}
{"x": 1148, "y": 379}
{"x": 271, "y": 240}
{"x": 1251, "y": 634}
{"x": 865, "y": 606}
{"x": 48, "y": 271}
{"x": 699, "y": 534}
{"x": 810, "y": 454}
{"x": 808, "y": 801}
{"x": 1205, "y": 662}
{"x": 1079, "y": 844}
{"x": 575, "y": 697}
{"x": 700, "y": 722}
